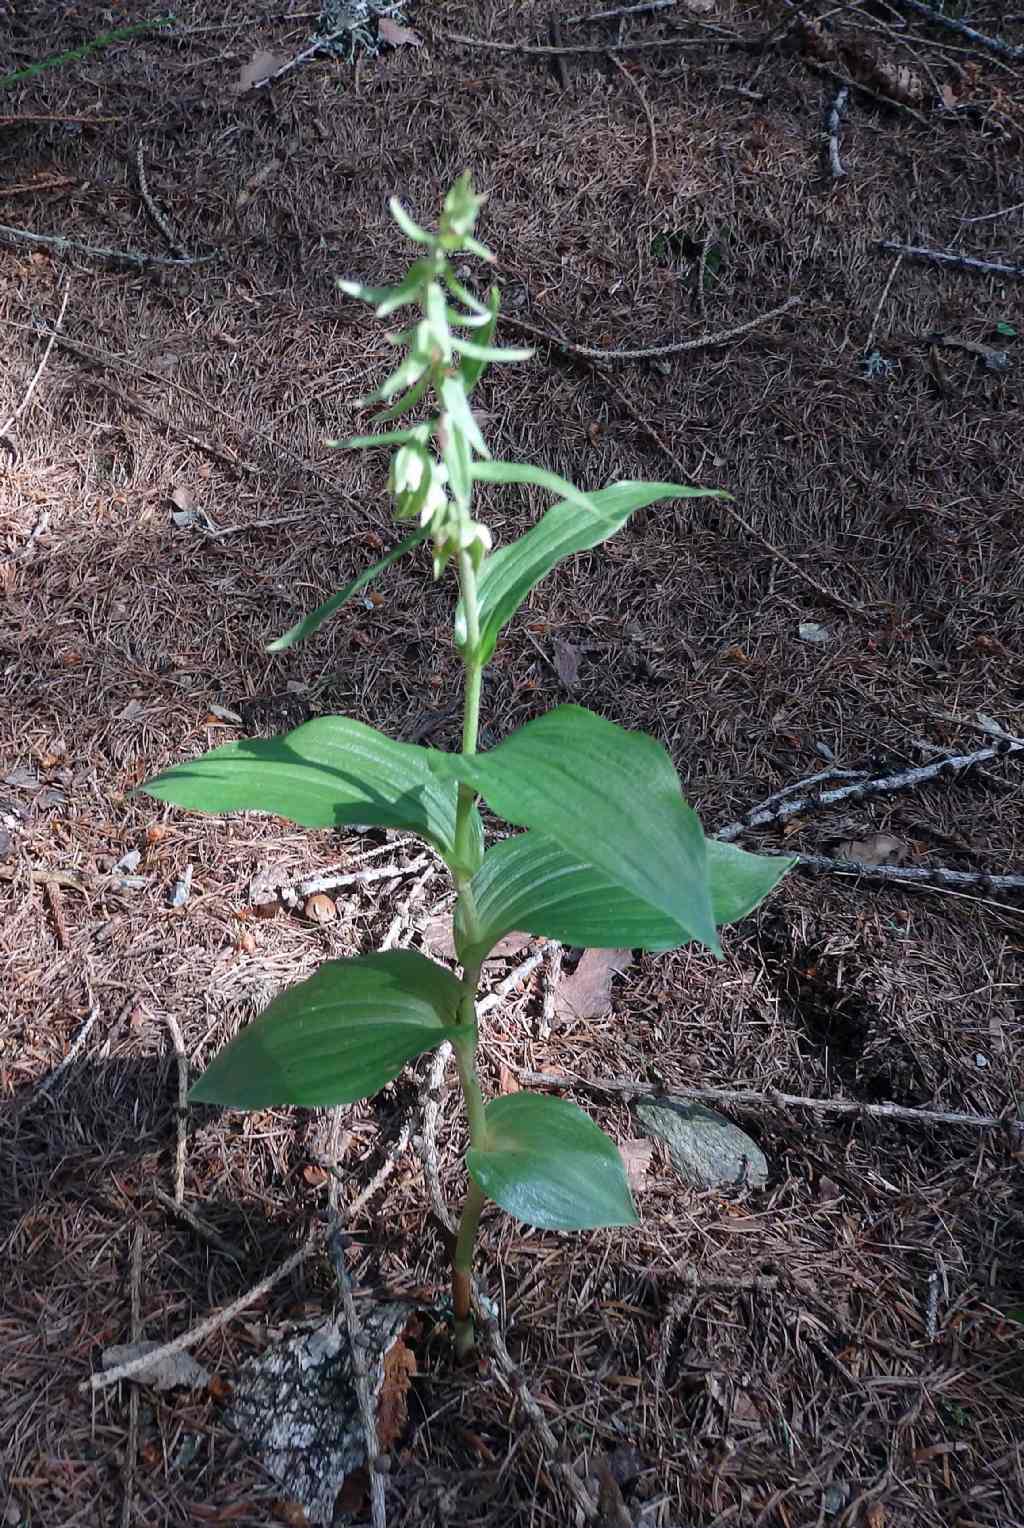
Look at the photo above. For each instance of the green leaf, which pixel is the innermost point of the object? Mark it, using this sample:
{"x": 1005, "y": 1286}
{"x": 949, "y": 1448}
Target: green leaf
{"x": 740, "y": 880}
{"x": 609, "y": 797}
{"x": 321, "y": 775}
{"x": 523, "y": 472}
{"x": 409, "y": 228}
{"x": 547, "y": 1163}
{"x": 453, "y": 396}
{"x": 337, "y": 1037}
{"x": 407, "y": 401}
{"x": 312, "y": 622}
{"x": 489, "y": 352}
{"x": 473, "y": 368}
{"x": 531, "y": 884}
{"x": 1002, "y": 327}
{"x": 507, "y": 577}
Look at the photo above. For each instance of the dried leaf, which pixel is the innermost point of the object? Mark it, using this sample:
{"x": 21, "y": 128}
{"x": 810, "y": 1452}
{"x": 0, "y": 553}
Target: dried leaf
{"x": 291, "y": 1513}
{"x": 179, "y": 1371}
{"x": 398, "y": 36}
{"x": 320, "y": 908}
{"x": 567, "y": 663}
{"x": 259, "y": 67}
{"x": 315, "y": 1175}
{"x": 876, "y": 849}
{"x": 636, "y": 1156}
{"x": 393, "y": 1403}
{"x": 587, "y": 992}
{"x": 508, "y": 1082}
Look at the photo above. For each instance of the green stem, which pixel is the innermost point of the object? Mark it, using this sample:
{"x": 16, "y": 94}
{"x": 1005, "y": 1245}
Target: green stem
{"x": 462, "y": 1271}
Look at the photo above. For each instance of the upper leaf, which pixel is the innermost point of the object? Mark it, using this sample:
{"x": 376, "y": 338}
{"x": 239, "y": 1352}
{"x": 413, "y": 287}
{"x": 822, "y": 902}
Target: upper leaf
{"x": 508, "y": 576}
{"x": 609, "y": 797}
{"x": 547, "y": 1163}
{"x": 321, "y": 775}
{"x": 317, "y": 617}
{"x": 336, "y": 1037}
{"x": 532, "y": 884}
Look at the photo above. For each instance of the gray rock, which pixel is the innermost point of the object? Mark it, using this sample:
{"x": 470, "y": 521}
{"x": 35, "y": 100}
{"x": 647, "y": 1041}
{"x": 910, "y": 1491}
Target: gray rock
{"x": 706, "y": 1150}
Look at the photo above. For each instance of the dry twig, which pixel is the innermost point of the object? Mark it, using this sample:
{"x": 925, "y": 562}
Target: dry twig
{"x": 836, "y": 110}
{"x": 127, "y": 1501}
{"x": 950, "y": 258}
{"x": 51, "y": 890}
{"x": 197, "y": 1334}
{"x": 868, "y": 343}
{"x": 201, "y": 1227}
{"x": 72, "y": 246}
{"x": 652, "y": 131}
{"x": 357, "y": 1347}
{"x": 151, "y": 206}
{"x": 952, "y": 24}
{"x": 771, "y": 1098}
{"x": 181, "y": 1112}
{"x": 51, "y": 1079}
{"x": 651, "y": 352}
{"x": 916, "y": 875}
{"x": 27, "y": 399}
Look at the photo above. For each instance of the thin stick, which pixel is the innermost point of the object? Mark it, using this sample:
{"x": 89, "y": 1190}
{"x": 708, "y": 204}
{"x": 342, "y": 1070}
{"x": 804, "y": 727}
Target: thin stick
{"x": 151, "y": 206}
{"x": 652, "y": 131}
{"x": 127, "y": 1501}
{"x": 1001, "y": 212}
{"x": 198, "y": 1334}
{"x": 514, "y": 1379}
{"x": 431, "y": 1109}
{"x": 27, "y": 399}
{"x": 836, "y": 110}
{"x": 931, "y": 875}
{"x": 881, "y": 304}
{"x": 330, "y": 882}
{"x": 703, "y": 342}
{"x": 850, "y": 606}
{"x": 860, "y": 790}
{"x": 181, "y": 1111}
{"x": 552, "y": 973}
{"x": 502, "y": 990}
{"x": 50, "y": 1081}
{"x": 357, "y": 1347}
{"x": 548, "y": 52}
{"x": 769, "y": 1099}
{"x": 991, "y": 44}
{"x": 622, "y": 10}
{"x": 52, "y": 893}
{"x": 948, "y": 257}
{"x": 201, "y": 1227}
{"x": 65, "y": 246}
{"x": 384, "y": 1172}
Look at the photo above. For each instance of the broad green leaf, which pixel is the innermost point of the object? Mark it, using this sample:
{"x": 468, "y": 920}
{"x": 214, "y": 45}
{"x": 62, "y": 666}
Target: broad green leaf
{"x": 740, "y": 880}
{"x": 608, "y": 796}
{"x": 312, "y": 622}
{"x": 529, "y": 883}
{"x": 547, "y": 1163}
{"x": 337, "y": 1037}
{"x": 507, "y": 577}
{"x": 321, "y": 775}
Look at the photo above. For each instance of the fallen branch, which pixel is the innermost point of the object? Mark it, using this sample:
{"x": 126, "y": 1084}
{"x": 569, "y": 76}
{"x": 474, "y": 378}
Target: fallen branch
{"x": 197, "y": 1334}
{"x": 72, "y": 246}
{"x": 771, "y": 1098}
{"x": 861, "y": 790}
{"x": 948, "y": 257}
{"x": 181, "y": 1112}
{"x": 932, "y": 875}
{"x": 649, "y": 352}
{"x": 151, "y": 206}
{"x": 832, "y": 121}
{"x": 336, "y": 1242}
{"x": 991, "y": 44}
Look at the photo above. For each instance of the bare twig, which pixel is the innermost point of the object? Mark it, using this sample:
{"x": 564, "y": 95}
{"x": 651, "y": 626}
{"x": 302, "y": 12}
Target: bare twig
{"x": 1000, "y": 212}
{"x": 27, "y": 399}
{"x": 950, "y": 258}
{"x": 72, "y": 246}
{"x": 860, "y": 790}
{"x": 513, "y": 1378}
{"x": 127, "y": 1501}
{"x": 493, "y": 45}
{"x": 552, "y": 974}
{"x": 198, "y": 1334}
{"x": 652, "y": 131}
{"x": 431, "y": 1109}
{"x": 383, "y": 1172}
{"x": 642, "y": 9}
{"x": 510, "y": 982}
{"x": 51, "y": 891}
{"x": 71, "y": 880}
{"x": 51, "y": 1079}
{"x": 151, "y": 206}
{"x": 555, "y": 39}
{"x": 771, "y": 1098}
{"x": 181, "y": 1112}
{"x": 649, "y": 352}
{"x": 832, "y": 121}
{"x": 364, "y": 1395}
{"x": 881, "y": 304}
{"x": 914, "y": 875}
{"x": 990, "y": 44}
{"x": 199, "y": 1226}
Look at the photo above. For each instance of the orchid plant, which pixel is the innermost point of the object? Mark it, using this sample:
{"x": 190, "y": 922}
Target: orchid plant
{"x": 610, "y": 854}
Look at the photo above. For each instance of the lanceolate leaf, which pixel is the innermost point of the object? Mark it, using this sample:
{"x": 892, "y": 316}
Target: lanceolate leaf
{"x": 507, "y": 577}
{"x": 317, "y": 617}
{"x": 547, "y": 1163}
{"x": 323, "y": 774}
{"x": 609, "y": 797}
{"x": 531, "y": 883}
{"x": 337, "y": 1037}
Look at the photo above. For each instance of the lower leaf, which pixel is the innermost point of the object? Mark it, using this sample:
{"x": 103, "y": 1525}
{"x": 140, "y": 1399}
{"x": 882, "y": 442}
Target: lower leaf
{"x": 337, "y": 1037}
{"x": 548, "y": 1164}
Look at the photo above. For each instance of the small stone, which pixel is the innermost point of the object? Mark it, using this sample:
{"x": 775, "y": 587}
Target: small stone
{"x": 706, "y": 1150}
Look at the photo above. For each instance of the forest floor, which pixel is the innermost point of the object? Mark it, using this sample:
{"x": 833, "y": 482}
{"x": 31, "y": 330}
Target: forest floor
{"x": 843, "y": 1346}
